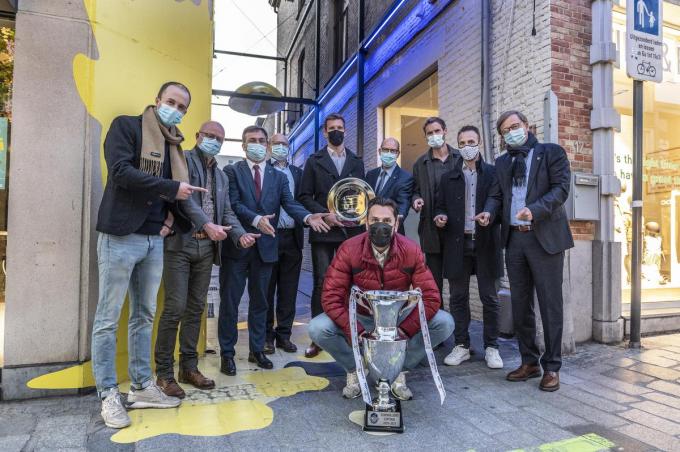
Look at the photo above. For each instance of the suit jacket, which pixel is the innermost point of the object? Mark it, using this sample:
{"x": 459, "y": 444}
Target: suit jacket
{"x": 423, "y": 187}
{"x": 397, "y": 188}
{"x": 130, "y": 192}
{"x": 224, "y": 215}
{"x": 275, "y": 194}
{"x": 451, "y": 202}
{"x": 318, "y": 177}
{"x": 299, "y": 227}
{"x": 547, "y": 190}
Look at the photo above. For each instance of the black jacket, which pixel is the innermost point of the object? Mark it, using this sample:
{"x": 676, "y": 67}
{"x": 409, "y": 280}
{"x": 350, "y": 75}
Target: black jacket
{"x": 451, "y": 202}
{"x": 547, "y": 190}
{"x": 318, "y": 177}
{"x": 297, "y": 178}
{"x": 129, "y": 192}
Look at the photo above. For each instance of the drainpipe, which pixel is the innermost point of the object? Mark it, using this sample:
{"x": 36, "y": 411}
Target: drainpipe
{"x": 317, "y": 76}
{"x": 360, "y": 83}
{"x": 486, "y": 87}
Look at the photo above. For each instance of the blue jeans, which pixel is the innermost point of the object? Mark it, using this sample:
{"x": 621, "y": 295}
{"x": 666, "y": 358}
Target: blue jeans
{"x": 324, "y": 332}
{"x": 131, "y": 263}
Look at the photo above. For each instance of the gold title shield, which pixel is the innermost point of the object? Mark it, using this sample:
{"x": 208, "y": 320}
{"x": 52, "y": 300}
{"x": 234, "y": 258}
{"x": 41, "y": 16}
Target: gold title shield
{"x": 348, "y": 199}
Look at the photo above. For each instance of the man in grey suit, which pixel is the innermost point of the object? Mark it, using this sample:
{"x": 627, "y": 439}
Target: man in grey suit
{"x": 188, "y": 261}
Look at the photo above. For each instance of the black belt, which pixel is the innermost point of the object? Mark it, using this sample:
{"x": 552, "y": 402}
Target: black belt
{"x": 522, "y": 228}
{"x": 285, "y": 230}
{"x": 469, "y": 236}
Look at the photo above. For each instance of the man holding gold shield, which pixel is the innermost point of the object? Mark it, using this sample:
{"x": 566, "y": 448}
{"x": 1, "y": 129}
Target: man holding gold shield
{"x": 378, "y": 259}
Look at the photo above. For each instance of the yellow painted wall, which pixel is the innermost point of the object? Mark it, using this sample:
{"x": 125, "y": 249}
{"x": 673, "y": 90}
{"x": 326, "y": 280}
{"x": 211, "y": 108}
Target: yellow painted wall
{"x": 140, "y": 44}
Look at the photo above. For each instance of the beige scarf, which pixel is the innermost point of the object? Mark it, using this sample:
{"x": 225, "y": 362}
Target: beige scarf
{"x": 154, "y": 136}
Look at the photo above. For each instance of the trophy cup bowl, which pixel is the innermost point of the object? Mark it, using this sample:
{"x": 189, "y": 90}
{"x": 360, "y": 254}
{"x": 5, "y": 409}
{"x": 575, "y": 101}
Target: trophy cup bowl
{"x": 384, "y": 353}
{"x": 348, "y": 199}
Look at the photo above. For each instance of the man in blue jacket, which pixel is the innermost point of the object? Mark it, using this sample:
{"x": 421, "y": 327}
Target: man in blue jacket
{"x": 257, "y": 192}
{"x": 390, "y": 181}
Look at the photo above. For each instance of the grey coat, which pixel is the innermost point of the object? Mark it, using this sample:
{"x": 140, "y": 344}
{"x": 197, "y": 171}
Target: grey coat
{"x": 193, "y": 209}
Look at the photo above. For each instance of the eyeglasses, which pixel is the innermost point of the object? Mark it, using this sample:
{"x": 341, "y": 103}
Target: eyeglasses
{"x": 391, "y": 151}
{"x": 515, "y": 126}
{"x": 211, "y": 136}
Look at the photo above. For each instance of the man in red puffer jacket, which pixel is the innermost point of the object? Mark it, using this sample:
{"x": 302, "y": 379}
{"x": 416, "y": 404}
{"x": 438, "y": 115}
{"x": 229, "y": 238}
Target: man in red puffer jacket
{"x": 379, "y": 259}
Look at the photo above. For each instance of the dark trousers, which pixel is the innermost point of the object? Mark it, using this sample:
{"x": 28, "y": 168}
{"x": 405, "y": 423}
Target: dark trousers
{"x": 284, "y": 284}
{"x": 459, "y": 302}
{"x": 186, "y": 275}
{"x": 435, "y": 262}
{"x": 530, "y": 267}
{"x": 322, "y": 255}
{"x": 233, "y": 276}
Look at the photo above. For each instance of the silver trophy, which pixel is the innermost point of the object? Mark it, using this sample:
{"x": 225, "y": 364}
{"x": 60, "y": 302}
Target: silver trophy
{"x": 384, "y": 353}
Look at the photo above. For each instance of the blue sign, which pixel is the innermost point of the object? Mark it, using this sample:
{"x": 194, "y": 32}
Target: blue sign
{"x": 646, "y": 16}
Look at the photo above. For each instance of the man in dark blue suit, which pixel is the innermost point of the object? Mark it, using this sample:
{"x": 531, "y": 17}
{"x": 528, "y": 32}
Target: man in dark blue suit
{"x": 390, "y": 181}
{"x": 533, "y": 181}
{"x": 257, "y": 192}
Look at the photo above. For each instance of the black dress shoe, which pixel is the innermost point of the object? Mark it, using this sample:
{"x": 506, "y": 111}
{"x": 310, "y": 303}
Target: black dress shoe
{"x": 261, "y": 360}
{"x": 228, "y": 366}
{"x": 269, "y": 347}
{"x": 286, "y": 345}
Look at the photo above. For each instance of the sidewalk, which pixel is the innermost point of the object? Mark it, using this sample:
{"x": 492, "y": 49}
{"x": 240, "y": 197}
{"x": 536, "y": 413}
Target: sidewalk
{"x": 612, "y": 398}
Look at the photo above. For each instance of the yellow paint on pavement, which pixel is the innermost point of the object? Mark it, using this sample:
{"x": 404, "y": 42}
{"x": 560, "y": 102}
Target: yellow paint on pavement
{"x": 585, "y": 443}
{"x": 285, "y": 382}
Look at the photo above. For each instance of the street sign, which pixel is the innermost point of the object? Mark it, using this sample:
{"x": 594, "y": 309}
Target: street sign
{"x": 644, "y": 40}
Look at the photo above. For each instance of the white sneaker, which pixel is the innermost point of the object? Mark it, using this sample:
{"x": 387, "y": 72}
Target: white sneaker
{"x": 399, "y": 388}
{"x": 493, "y": 358}
{"x": 113, "y": 412}
{"x": 457, "y": 356}
{"x": 352, "y": 390}
{"x": 151, "y": 397}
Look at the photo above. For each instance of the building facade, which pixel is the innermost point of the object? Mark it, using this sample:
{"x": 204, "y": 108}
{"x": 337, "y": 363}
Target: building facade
{"x": 466, "y": 61}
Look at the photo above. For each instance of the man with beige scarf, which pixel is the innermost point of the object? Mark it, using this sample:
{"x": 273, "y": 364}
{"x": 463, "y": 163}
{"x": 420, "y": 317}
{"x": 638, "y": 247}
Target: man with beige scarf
{"x": 147, "y": 174}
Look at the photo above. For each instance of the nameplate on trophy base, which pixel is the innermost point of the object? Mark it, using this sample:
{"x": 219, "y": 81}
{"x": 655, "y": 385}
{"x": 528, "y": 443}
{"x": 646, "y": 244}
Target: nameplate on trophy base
{"x": 383, "y": 421}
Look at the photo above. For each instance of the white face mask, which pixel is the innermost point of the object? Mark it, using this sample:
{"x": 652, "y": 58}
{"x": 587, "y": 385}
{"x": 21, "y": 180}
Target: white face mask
{"x": 435, "y": 141}
{"x": 469, "y": 152}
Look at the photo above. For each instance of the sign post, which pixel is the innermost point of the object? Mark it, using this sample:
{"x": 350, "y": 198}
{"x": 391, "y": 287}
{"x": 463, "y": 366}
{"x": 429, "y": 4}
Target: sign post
{"x": 644, "y": 62}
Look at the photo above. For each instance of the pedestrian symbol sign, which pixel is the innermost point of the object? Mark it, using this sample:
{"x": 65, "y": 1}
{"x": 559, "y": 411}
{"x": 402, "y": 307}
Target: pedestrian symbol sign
{"x": 644, "y": 40}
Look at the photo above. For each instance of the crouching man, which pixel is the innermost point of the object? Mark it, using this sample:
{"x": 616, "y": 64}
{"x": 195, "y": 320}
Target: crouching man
{"x": 374, "y": 260}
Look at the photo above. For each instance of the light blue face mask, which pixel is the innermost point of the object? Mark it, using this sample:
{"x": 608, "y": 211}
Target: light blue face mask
{"x": 256, "y": 152}
{"x": 435, "y": 141}
{"x": 388, "y": 159}
{"x": 210, "y": 146}
{"x": 169, "y": 116}
{"x": 280, "y": 152}
{"x": 514, "y": 138}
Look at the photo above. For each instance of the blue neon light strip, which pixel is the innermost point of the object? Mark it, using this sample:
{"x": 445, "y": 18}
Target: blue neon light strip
{"x": 382, "y": 25}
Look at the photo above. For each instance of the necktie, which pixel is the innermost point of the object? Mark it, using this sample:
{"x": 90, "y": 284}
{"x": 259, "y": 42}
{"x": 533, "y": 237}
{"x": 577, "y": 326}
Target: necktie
{"x": 258, "y": 182}
{"x": 381, "y": 181}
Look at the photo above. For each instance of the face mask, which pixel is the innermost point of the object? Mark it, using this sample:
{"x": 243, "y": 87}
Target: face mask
{"x": 168, "y": 115}
{"x": 515, "y": 138}
{"x": 388, "y": 159}
{"x": 380, "y": 234}
{"x": 280, "y": 152}
{"x": 469, "y": 152}
{"x": 336, "y": 137}
{"x": 435, "y": 141}
{"x": 256, "y": 152}
{"x": 210, "y": 146}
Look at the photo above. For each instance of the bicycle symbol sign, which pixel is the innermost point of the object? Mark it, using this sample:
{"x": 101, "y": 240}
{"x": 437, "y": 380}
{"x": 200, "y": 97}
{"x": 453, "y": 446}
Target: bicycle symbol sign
{"x": 644, "y": 41}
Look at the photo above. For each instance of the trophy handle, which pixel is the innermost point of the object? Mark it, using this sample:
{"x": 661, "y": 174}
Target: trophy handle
{"x": 414, "y": 297}
{"x": 359, "y": 297}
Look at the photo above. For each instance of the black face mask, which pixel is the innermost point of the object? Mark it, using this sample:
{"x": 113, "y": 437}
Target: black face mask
{"x": 336, "y": 137}
{"x": 380, "y": 234}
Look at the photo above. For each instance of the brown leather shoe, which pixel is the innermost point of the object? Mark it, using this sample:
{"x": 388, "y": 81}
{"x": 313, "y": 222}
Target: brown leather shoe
{"x": 550, "y": 381}
{"x": 524, "y": 372}
{"x": 313, "y": 350}
{"x": 195, "y": 378}
{"x": 170, "y": 387}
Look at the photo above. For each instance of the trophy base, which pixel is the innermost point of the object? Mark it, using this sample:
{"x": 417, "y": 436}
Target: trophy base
{"x": 384, "y": 421}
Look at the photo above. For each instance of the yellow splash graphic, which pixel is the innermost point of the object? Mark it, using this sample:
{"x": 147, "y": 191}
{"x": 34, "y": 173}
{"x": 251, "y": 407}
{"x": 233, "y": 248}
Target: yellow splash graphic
{"x": 285, "y": 382}
{"x": 585, "y": 443}
{"x": 197, "y": 419}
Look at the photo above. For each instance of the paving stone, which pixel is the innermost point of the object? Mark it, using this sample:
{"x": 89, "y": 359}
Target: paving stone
{"x": 622, "y": 362}
{"x": 534, "y": 425}
{"x": 656, "y": 371}
{"x": 590, "y": 399}
{"x": 663, "y": 398}
{"x": 659, "y": 409}
{"x": 555, "y": 415}
{"x": 665, "y": 386}
{"x": 607, "y": 393}
{"x": 655, "y": 438}
{"x": 653, "y": 357}
{"x": 577, "y": 408}
{"x": 652, "y": 421}
{"x": 629, "y": 376}
{"x": 518, "y": 439}
{"x": 613, "y": 383}
{"x": 13, "y": 442}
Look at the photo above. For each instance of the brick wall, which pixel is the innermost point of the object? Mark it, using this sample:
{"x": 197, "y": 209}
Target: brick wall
{"x": 571, "y": 26}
